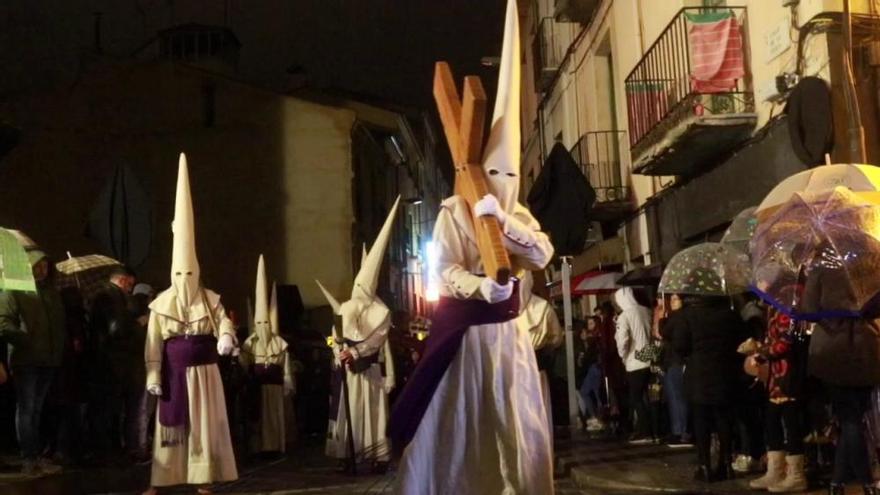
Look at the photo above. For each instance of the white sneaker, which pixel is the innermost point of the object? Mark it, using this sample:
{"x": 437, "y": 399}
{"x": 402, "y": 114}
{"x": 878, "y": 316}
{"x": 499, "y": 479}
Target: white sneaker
{"x": 745, "y": 464}
{"x": 594, "y": 424}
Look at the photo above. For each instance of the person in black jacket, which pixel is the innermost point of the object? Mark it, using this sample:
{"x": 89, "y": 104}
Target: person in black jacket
{"x": 705, "y": 333}
{"x": 112, "y": 362}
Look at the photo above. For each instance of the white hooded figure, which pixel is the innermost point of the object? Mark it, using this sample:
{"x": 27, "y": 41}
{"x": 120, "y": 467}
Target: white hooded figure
{"x": 539, "y": 320}
{"x": 264, "y": 355}
{"x": 485, "y": 430}
{"x": 365, "y": 324}
{"x": 188, "y": 328}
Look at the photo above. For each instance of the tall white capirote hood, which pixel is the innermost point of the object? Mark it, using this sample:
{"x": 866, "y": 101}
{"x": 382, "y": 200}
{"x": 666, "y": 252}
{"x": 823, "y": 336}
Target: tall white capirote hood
{"x": 261, "y": 304}
{"x": 185, "y": 273}
{"x": 368, "y": 277}
{"x": 334, "y": 303}
{"x": 501, "y": 158}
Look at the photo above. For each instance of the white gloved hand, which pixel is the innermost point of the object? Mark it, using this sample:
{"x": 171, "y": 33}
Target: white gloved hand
{"x": 488, "y": 205}
{"x": 388, "y": 387}
{"x": 225, "y": 344}
{"x": 493, "y": 292}
{"x": 154, "y": 390}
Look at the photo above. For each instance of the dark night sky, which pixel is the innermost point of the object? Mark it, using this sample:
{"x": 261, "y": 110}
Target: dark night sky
{"x": 387, "y": 48}
{"x": 381, "y": 48}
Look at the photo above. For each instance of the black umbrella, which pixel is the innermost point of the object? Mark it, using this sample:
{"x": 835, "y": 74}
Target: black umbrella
{"x": 121, "y": 220}
{"x": 561, "y": 199}
{"x": 642, "y": 276}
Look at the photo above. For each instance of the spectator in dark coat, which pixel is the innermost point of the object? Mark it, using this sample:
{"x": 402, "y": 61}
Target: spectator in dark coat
{"x": 706, "y": 333}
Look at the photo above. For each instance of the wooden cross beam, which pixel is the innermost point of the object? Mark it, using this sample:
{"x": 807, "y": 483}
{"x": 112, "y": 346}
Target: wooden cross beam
{"x": 463, "y": 123}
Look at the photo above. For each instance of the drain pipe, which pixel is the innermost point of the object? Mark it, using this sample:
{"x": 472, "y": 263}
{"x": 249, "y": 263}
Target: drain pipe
{"x": 855, "y": 131}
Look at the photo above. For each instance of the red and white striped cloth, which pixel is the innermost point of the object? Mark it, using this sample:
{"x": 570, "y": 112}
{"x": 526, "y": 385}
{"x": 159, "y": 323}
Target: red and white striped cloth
{"x": 716, "y": 55}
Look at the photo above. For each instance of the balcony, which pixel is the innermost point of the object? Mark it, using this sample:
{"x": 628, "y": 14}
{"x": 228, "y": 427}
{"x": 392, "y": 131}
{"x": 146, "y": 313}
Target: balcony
{"x": 689, "y": 102}
{"x": 547, "y": 53}
{"x": 599, "y": 154}
{"x": 581, "y": 11}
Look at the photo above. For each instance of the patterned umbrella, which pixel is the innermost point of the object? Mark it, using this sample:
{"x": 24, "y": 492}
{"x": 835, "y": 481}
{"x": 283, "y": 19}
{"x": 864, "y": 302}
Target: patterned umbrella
{"x": 87, "y": 273}
{"x": 818, "y": 255}
{"x": 15, "y": 268}
{"x": 708, "y": 269}
{"x": 741, "y": 231}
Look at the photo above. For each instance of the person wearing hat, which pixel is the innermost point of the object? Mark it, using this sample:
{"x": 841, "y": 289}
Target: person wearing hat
{"x": 34, "y": 326}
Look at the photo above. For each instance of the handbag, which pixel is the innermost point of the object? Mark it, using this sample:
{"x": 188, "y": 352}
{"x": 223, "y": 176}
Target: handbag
{"x": 649, "y": 354}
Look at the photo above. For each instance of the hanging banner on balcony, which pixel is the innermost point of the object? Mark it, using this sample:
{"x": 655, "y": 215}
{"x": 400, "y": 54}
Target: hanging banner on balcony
{"x": 716, "y": 52}
{"x": 561, "y": 199}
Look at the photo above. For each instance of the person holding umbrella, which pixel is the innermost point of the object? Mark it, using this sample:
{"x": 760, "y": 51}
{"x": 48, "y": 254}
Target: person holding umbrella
{"x": 33, "y": 323}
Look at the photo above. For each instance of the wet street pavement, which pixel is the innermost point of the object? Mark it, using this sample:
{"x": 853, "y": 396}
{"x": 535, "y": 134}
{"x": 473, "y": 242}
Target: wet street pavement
{"x": 584, "y": 467}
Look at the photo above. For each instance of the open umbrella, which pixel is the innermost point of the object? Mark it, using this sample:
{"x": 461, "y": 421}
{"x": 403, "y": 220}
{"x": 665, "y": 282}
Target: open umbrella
{"x": 741, "y": 231}
{"x": 15, "y": 268}
{"x": 642, "y": 276}
{"x": 863, "y": 179}
{"x": 818, "y": 255}
{"x": 708, "y": 269}
{"x": 87, "y": 273}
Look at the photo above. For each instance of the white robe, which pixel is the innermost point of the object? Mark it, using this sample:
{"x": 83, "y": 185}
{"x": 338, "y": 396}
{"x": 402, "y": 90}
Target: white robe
{"x": 485, "y": 431}
{"x": 368, "y": 393}
{"x": 206, "y": 456}
{"x": 269, "y": 432}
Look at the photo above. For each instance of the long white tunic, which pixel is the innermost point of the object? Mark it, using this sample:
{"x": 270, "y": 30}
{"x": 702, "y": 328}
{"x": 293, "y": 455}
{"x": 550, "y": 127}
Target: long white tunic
{"x": 269, "y": 432}
{"x": 206, "y": 456}
{"x": 485, "y": 431}
{"x": 368, "y": 395}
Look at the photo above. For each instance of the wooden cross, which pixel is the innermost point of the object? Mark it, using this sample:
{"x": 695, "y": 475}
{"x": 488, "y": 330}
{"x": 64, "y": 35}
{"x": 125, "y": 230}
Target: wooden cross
{"x": 463, "y": 123}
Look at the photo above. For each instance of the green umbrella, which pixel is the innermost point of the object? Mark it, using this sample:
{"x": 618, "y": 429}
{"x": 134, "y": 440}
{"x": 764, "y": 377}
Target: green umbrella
{"x": 15, "y": 267}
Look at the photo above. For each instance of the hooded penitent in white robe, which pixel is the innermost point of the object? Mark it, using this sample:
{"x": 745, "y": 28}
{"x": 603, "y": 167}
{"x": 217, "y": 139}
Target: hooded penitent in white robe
{"x": 365, "y": 322}
{"x": 539, "y": 319}
{"x": 201, "y": 452}
{"x": 265, "y": 350}
{"x": 485, "y": 429}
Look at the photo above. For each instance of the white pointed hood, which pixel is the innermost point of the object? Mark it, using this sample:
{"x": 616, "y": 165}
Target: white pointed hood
{"x": 501, "y": 159}
{"x": 186, "y": 300}
{"x": 334, "y": 303}
{"x": 368, "y": 277}
{"x": 185, "y": 273}
{"x": 263, "y": 342}
{"x": 261, "y": 303}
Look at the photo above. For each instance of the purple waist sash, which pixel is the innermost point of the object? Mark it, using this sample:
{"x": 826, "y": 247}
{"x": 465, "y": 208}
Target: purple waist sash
{"x": 180, "y": 353}
{"x": 268, "y": 374}
{"x": 448, "y": 326}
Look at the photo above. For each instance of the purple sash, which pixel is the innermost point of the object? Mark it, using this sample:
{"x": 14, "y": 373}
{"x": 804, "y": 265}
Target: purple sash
{"x": 451, "y": 320}
{"x": 180, "y": 353}
{"x": 268, "y": 374}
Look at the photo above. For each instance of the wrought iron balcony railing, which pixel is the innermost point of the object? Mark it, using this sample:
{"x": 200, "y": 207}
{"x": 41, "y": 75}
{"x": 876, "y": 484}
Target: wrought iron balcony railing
{"x": 600, "y": 158}
{"x": 695, "y": 67}
{"x": 547, "y": 52}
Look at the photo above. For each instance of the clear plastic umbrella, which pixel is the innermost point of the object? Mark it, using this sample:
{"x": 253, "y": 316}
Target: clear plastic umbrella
{"x": 741, "y": 231}
{"x": 708, "y": 269}
{"x": 818, "y": 255}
